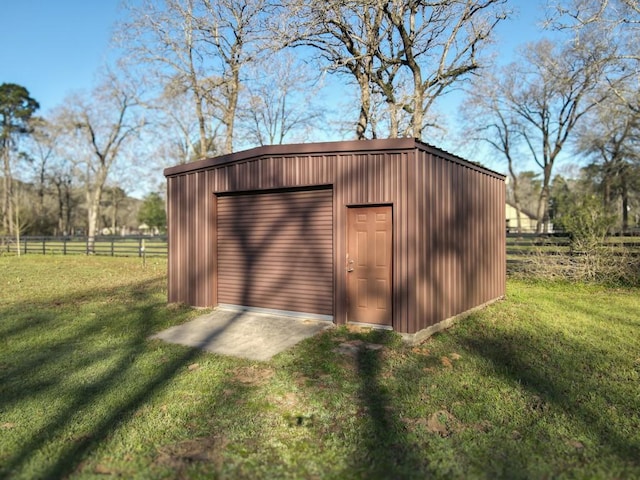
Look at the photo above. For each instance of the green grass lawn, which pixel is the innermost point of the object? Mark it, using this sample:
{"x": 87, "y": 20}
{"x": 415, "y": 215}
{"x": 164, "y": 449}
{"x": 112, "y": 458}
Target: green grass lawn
{"x": 542, "y": 385}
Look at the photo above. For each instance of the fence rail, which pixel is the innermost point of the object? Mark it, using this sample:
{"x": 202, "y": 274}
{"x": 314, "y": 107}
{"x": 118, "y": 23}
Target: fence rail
{"x": 518, "y": 244}
{"x": 520, "y": 247}
{"x": 134, "y": 246}
{"x": 146, "y": 246}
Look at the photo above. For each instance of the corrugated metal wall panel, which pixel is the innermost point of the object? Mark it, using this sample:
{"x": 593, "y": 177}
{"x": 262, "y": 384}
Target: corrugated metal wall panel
{"x": 191, "y": 222}
{"x": 403, "y": 213}
{"x": 460, "y": 245}
{"x": 449, "y": 252}
{"x": 173, "y": 254}
{"x": 275, "y": 250}
{"x": 190, "y": 262}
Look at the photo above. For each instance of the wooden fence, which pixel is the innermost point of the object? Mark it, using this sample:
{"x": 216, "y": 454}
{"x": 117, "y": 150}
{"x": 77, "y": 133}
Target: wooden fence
{"x": 134, "y": 246}
{"x": 525, "y": 242}
{"x": 521, "y": 245}
{"x": 517, "y": 246}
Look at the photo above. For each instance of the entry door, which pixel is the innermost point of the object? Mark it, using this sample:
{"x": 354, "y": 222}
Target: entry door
{"x": 369, "y": 249}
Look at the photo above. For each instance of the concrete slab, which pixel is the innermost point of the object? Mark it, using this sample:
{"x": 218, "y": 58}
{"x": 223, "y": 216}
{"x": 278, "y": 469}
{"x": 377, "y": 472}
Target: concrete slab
{"x": 244, "y": 334}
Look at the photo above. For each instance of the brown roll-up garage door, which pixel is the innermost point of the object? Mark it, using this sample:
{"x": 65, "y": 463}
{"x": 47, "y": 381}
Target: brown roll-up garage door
{"x": 275, "y": 250}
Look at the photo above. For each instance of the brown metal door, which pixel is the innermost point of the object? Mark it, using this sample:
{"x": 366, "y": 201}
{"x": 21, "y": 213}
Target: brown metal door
{"x": 275, "y": 250}
{"x": 369, "y": 249}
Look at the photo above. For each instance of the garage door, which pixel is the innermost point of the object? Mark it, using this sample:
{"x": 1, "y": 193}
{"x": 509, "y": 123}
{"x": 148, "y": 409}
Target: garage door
{"x": 275, "y": 250}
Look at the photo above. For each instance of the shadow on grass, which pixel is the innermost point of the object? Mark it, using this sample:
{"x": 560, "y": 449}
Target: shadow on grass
{"x": 570, "y": 377}
{"x": 76, "y": 356}
{"x": 374, "y": 441}
{"x": 387, "y": 452}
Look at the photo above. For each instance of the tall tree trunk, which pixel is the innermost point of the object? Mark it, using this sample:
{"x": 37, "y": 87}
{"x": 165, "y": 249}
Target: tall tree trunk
{"x": 68, "y": 228}
{"x": 93, "y": 207}
{"x": 543, "y": 201}
{"x": 516, "y": 193}
{"x": 230, "y": 110}
{"x": 417, "y": 118}
{"x": 60, "y": 227}
{"x": 17, "y": 229}
{"x": 7, "y": 184}
{"x": 202, "y": 128}
{"x": 625, "y": 204}
{"x": 543, "y": 211}
{"x": 5, "y": 203}
{"x": 365, "y": 108}
{"x": 394, "y": 123}
{"x": 114, "y": 218}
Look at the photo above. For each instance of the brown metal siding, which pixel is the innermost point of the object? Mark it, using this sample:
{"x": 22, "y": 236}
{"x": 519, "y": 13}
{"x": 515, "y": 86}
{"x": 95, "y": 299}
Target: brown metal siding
{"x": 460, "y": 240}
{"x": 449, "y": 235}
{"x": 191, "y": 212}
{"x": 275, "y": 250}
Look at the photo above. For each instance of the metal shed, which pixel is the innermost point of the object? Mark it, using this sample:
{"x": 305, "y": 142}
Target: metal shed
{"x": 394, "y": 233}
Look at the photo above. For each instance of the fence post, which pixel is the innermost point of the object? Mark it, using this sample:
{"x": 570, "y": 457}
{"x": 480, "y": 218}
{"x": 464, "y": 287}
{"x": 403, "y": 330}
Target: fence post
{"x": 112, "y": 246}
{"x": 44, "y": 245}
{"x": 64, "y": 246}
{"x": 25, "y": 245}
{"x": 139, "y": 247}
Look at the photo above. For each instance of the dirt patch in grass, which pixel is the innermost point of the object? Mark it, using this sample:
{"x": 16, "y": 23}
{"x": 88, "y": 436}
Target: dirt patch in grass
{"x": 182, "y": 454}
{"x": 441, "y": 423}
{"x": 252, "y": 375}
{"x": 353, "y": 347}
{"x": 287, "y": 401}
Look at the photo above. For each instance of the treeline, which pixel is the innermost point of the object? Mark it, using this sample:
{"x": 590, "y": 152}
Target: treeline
{"x": 56, "y": 207}
{"x": 197, "y": 78}
{"x": 613, "y": 200}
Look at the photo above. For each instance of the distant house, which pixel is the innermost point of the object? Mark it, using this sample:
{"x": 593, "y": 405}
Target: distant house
{"x": 528, "y": 220}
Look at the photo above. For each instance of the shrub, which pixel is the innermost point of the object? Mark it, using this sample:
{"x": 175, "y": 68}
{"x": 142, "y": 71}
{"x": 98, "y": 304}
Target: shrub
{"x": 589, "y": 258}
{"x": 587, "y": 223}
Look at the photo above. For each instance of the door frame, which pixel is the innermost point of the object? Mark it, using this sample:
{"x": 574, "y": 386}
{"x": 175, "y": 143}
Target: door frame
{"x": 348, "y": 207}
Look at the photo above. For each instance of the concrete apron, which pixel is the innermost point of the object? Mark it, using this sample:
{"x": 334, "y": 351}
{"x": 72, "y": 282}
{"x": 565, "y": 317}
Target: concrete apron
{"x": 244, "y": 334}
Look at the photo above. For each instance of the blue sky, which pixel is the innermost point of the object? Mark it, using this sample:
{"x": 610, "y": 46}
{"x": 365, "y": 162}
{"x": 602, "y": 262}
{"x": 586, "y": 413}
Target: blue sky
{"x": 54, "y": 47}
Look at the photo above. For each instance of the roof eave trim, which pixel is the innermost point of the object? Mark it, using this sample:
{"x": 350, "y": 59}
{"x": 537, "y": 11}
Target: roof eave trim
{"x": 328, "y": 148}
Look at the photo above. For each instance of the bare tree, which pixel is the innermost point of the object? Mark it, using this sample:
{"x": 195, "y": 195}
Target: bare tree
{"x": 613, "y": 20}
{"x": 610, "y": 136}
{"x": 163, "y": 37}
{"x": 440, "y": 43}
{"x": 556, "y": 87}
{"x": 614, "y": 25}
{"x": 40, "y": 153}
{"x": 198, "y": 48}
{"x": 382, "y": 44}
{"x": 346, "y": 35}
{"x": 173, "y": 119}
{"x": 62, "y": 182}
{"x": 114, "y": 199}
{"x": 98, "y": 126}
{"x": 21, "y": 213}
{"x": 490, "y": 118}
{"x": 278, "y": 102}
{"x": 234, "y": 34}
